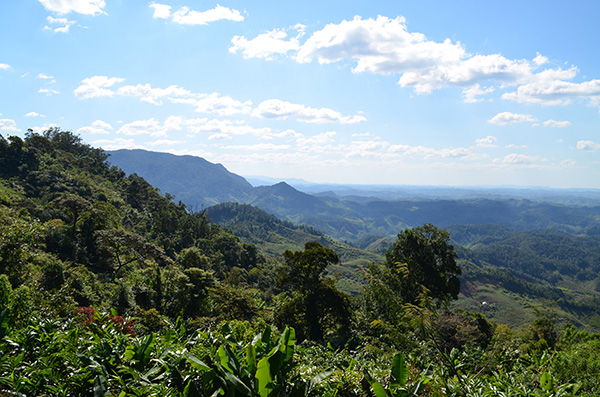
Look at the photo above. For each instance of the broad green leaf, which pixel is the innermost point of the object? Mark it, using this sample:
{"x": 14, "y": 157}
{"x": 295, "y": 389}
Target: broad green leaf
{"x": 263, "y": 376}
{"x": 238, "y": 384}
{"x": 399, "y": 369}
{"x": 197, "y": 363}
{"x": 378, "y": 389}
{"x": 228, "y": 359}
{"x": 546, "y": 381}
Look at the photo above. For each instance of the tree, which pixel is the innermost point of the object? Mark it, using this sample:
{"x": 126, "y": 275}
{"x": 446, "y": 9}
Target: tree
{"x": 316, "y": 305}
{"x": 424, "y": 261}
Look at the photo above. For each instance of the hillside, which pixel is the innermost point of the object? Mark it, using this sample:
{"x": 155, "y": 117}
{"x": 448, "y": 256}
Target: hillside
{"x": 109, "y": 287}
{"x": 355, "y": 217}
{"x": 193, "y": 180}
{"x": 274, "y": 236}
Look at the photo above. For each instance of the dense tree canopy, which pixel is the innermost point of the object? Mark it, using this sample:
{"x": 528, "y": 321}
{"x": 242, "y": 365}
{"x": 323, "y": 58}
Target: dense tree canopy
{"x": 425, "y": 261}
{"x": 316, "y": 306}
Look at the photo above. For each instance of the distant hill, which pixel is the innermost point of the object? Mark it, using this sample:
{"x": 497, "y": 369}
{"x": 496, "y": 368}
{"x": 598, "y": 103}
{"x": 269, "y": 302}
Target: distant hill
{"x": 194, "y": 181}
{"x": 519, "y": 257}
{"x": 273, "y": 236}
{"x": 199, "y": 184}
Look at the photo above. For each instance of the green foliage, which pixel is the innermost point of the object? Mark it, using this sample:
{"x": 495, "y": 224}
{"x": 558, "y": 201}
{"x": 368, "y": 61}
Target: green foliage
{"x": 315, "y": 306}
{"x": 423, "y": 260}
{"x": 75, "y": 231}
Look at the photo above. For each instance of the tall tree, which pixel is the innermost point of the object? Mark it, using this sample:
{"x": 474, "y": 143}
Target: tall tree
{"x": 425, "y": 262}
{"x": 316, "y": 305}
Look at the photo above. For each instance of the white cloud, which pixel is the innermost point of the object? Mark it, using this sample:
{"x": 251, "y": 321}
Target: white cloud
{"x": 152, "y": 95}
{"x": 515, "y": 158}
{"x": 8, "y": 125}
{"x": 567, "y": 163}
{"x": 164, "y": 142}
{"x": 96, "y": 86}
{"x": 224, "y": 129}
{"x": 258, "y": 146}
{"x": 589, "y": 146}
{"x": 505, "y": 118}
{"x": 281, "y": 110}
{"x": 98, "y": 127}
{"x": 64, "y": 28}
{"x": 86, "y": 7}
{"x": 265, "y": 45}
{"x": 488, "y": 141}
{"x": 428, "y": 153}
{"x": 34, "y": 114}
{"x": 185, "y": 16}
{"x": 540, "y": 59}
{"x": 557, "y": 124}
{"x": 48, "y": 91}
{"x": 161, "y": 11}
{"x": 44, "y": 76}
{"x": 116, "y": 144}
{"x": 99, "y": 86}
{"x": 385, "y": 46}
{"x": 473, "y": 94}
{"x": 220, "y": 104}
{"x": 149, "y": 126}
{"x": 513, "y": 146}
{"x": 551, "y": 87}
{"x": 4, "y": 66}
{"x": 318, "y": 139}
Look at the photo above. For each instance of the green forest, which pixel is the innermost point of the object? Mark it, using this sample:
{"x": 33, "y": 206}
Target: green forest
{"x": 110, "y": 287}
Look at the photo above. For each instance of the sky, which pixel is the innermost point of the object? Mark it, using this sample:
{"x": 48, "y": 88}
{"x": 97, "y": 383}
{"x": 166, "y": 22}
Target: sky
{"x": 460, "y": 93}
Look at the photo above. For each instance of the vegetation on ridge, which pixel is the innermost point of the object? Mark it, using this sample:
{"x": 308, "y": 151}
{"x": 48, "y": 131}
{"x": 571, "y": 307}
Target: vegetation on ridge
{"x": 109, "y": 288}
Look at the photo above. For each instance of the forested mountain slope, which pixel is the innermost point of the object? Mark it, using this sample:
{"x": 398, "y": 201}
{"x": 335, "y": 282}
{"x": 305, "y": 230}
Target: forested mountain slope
{"x": 72, "y": 222}
{"x": 193, "y": 180}
{"x": 352, "y": 218}
{"x": 109, "y": 288}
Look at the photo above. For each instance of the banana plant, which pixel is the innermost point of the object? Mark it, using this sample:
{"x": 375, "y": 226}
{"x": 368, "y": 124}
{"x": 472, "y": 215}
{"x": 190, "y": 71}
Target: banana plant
{"x": 398, "y": 381}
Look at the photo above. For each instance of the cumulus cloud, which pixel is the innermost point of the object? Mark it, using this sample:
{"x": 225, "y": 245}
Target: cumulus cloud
{"x": 224, "y": 129}
{"x": 8, "y": 125}
{"x": 505, "y": 118}
{"x": 96, "y": 86}
{"x": 101, "y": 86}
{"x": 385, "y": 46}
{"x": 551, "y": 87}
{"x": 149, "y": 126}
{"x": 185, "y": 16}
{"x": 557, "y": 124}
{"x": 64, "y": 25}
{"x": 34, "y": 114}
{"x": 516, "y": 158}
{"x": 589, "y": 146}
{"x": 117, "y": 143}
{"x": 266, "y": 45}
{"x": 219, "y": 104}
{"x": 85, "y": 7}
{"x": 427, "y": 153}
{"x": 44, "y": 76}
{"x": 474, "y": 94}
{"x": 488, "y": 141}
{"x": 98, "y": 127}
{"x": 4, "y": 66}
{"x": 48, "y": 91}
{"x": 164, "y": 142}
{"x": 258, "y": 146}
{"x": 281, "y": 110}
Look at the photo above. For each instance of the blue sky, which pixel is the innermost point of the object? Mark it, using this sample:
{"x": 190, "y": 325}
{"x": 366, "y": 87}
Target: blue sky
{"x": 381, "y": 92}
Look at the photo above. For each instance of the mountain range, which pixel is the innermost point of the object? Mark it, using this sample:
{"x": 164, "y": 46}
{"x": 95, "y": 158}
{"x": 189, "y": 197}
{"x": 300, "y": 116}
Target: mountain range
{"x": 523, "y": 252}
{"x": 353, "y": 216}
